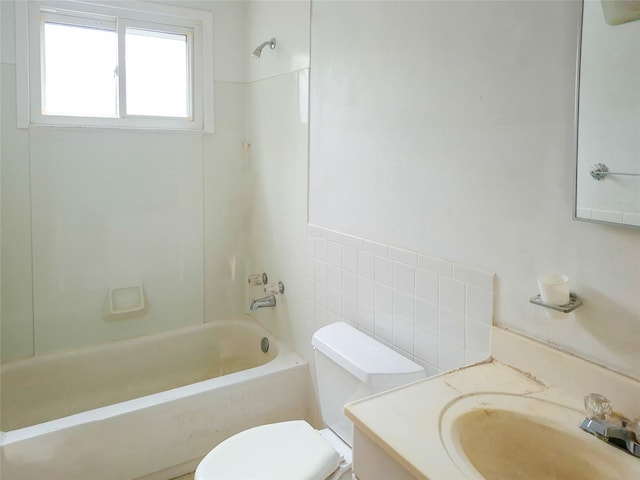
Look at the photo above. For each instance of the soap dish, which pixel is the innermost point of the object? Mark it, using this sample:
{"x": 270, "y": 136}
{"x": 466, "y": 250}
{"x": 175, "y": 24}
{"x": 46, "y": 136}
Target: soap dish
{"x": 126, "y": 299}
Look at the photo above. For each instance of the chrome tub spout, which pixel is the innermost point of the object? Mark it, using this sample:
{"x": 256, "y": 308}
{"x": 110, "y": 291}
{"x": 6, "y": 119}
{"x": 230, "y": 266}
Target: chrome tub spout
{"x": 269, "y": 301}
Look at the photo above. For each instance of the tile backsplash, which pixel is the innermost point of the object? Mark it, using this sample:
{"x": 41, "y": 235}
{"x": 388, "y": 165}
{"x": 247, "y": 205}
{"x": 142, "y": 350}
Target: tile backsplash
{"x": 433, "y": 311}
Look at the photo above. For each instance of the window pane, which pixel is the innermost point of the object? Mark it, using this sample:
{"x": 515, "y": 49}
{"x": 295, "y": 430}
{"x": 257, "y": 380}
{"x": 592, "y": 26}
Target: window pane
{"x": 157, "y": 73}
{"x": 79, "y": 64}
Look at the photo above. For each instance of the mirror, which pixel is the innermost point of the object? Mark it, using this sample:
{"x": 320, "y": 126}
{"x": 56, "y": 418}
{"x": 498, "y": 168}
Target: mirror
{"x": 608, "y": 114}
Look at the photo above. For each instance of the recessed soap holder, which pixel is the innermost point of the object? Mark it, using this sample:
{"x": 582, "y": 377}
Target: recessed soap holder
{"x": 126, "y": 299}
{"x": 574, "y": 302}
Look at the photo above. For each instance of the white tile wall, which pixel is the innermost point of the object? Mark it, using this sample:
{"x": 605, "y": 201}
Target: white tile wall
{"x": 431, "y": 310}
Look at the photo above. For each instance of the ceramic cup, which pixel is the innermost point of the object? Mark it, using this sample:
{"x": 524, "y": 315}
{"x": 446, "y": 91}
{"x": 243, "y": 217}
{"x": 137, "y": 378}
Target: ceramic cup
{"x": 554, "y": 288}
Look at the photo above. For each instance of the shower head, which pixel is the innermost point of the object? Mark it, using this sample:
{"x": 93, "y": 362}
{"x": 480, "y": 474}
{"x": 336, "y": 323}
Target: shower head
{"x": 258, "y": 51}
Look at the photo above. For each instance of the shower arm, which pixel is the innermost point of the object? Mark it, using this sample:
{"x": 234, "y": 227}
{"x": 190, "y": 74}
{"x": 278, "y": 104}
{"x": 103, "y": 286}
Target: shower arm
{"x": 258, "y": 51}
{"x": 271, "y": 43}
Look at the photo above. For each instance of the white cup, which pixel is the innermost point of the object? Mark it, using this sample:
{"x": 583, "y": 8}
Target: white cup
{"x": 554, "y": 288}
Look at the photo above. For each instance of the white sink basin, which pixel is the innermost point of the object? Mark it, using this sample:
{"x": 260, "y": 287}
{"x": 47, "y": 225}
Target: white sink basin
{"x": 501, "y": 436}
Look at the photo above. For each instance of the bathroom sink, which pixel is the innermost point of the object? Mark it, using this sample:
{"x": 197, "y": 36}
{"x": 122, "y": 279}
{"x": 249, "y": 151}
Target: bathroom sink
{"x": 502, "y": 436}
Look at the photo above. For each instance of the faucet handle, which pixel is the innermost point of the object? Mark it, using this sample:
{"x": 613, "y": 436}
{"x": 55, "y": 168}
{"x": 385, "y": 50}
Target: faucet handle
{"x": 273, "y": 288}
{"x": 257, "y": 279}
{"x": 597, "y": 406}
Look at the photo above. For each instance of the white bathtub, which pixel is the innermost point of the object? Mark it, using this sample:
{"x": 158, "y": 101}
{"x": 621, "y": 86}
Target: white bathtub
{"x": 149, "y": 407}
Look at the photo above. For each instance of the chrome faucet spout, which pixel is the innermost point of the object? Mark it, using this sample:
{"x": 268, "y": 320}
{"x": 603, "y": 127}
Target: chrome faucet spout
{"x": 615, "y": 430}
{"x": 269, "y": 301}
{"x": 612, "y": 433}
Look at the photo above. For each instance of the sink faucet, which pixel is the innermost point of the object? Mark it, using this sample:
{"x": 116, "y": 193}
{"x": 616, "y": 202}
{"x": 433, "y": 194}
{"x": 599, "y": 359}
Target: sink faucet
{"x": 268, "y": 301}
{"x": 615, "y": 431}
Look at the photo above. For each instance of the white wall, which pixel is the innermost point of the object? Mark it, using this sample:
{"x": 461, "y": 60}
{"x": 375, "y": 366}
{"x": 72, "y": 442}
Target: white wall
{"x": 17, "y": 300}
{"x": 288, "y": 22}
{"x": 85, "y": 209}
{"x": 446, "y": 128}
{"x": 609, "y": 120}
{"x": 442, "y": 128}
{"x": 105, "y": 208}
{"x": 1, "y": 100}
{"x": 278, "y": 133}
{"x": 227, "y": 201}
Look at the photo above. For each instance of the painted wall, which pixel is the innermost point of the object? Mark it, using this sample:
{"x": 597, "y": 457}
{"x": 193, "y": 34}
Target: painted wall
{"x": 609, "y": 122}
{"x": 446, "y": 128}
{"x": 83, "y": 210}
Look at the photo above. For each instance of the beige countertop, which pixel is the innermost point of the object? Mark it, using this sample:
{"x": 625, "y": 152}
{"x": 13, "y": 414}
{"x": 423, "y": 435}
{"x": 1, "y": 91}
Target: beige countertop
{"x": 406, "y": 422}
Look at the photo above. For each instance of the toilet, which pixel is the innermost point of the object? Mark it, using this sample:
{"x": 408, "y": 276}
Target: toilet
{"x": 349, "y": 366}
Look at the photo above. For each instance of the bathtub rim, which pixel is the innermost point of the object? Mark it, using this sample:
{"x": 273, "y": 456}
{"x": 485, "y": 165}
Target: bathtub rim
{"x": 284, "y": 359}
{"x": 67, "y": 352}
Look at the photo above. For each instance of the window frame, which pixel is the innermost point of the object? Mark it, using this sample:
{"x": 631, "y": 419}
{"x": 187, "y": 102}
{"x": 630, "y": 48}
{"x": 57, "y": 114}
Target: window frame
{"x": 30, "y": 19}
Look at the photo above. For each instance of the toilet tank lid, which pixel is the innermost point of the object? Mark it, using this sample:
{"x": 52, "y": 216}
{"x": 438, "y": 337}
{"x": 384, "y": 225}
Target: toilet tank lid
{"x": 364, "y": 357}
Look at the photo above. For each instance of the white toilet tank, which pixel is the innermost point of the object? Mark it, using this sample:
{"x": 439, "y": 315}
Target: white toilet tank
{"x": 350, "y": 365}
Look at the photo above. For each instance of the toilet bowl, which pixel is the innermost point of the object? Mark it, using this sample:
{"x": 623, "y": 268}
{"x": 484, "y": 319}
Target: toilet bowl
{"x": 279, "y": 451}
{"x": 349, "y": 366}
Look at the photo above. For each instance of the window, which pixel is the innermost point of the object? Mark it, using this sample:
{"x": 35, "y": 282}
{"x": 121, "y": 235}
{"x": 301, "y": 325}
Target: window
{"x": 78, "y": 65}
{"x": 118, "y": 65}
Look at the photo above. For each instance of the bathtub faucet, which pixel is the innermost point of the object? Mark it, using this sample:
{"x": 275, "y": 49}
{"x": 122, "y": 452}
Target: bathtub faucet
{"x": 269, "y": 301}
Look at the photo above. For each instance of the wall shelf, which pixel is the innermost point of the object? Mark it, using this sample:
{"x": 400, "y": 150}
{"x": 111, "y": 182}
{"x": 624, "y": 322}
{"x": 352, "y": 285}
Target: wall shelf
{"x": 574, "y": 302}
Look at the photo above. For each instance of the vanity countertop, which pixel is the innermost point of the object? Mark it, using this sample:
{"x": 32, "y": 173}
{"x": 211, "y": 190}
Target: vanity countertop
{"x": 406, "y": 422}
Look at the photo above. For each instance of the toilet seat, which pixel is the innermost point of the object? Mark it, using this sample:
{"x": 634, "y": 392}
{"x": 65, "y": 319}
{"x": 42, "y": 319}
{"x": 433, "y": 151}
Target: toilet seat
{"x": 282, "y": 451}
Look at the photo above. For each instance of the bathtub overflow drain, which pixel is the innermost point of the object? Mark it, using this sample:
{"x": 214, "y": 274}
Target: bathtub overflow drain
{"x": 264, "y": 344}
